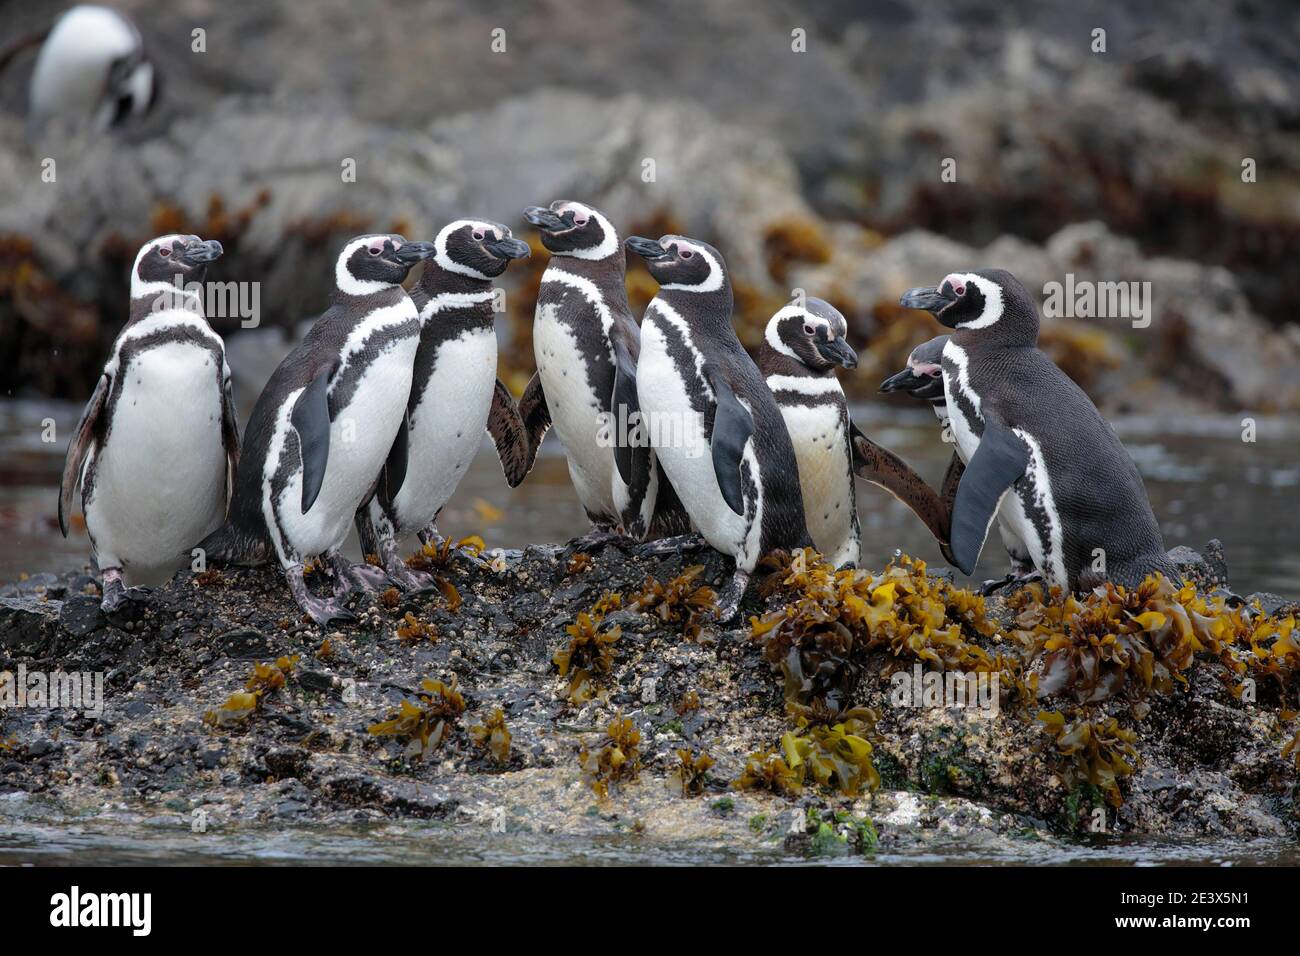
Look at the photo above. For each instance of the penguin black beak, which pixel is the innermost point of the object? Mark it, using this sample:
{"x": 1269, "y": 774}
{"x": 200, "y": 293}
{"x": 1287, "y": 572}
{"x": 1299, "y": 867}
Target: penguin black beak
{"x": 199, "y": 253}
{"x": 934, "y": 299}
{"x": 646, "y": 248}
{"x": 544, "y": 219}
{"x": 409, "y": 253}
{"x": 508, "y": 248}
{"x": 929, "y": 387}
{"x": 839, "y": 352}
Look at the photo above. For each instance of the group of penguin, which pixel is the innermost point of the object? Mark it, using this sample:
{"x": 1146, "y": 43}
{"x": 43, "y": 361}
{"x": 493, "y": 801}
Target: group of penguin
{"x": 374, "y": 418}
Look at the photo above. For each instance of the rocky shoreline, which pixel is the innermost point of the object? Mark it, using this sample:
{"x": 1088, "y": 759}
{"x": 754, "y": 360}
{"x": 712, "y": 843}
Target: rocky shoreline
{"x": 222, "y": 709}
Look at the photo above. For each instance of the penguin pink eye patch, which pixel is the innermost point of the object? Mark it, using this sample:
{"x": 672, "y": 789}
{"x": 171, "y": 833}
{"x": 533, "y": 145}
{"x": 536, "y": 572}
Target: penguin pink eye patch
{"x": 377, "y": 247}
{"x": 957, "y": 282}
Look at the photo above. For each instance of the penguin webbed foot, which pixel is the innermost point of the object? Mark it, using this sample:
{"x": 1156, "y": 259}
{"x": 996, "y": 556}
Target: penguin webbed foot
{"x": 357, "y": 577}
{"x": 1014, "y": 580}
{"x": 594, "y": 540}
{"x": 409, "y": 580}
{"x": 672, "y": 546}
{"x": 730, "y": 596}
{"x": 322, "y": 611}
{"x": 121, "y": 603}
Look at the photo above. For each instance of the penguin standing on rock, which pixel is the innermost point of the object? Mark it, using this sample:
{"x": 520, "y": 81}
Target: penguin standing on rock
{"x": 156, "y": 447}
{"x": 455, "y": 393}
{"x": 923, "y": 380}
{"x": 1040, "y": 457}
{"x": 331, "y": 418}
{"x": 714, "y": 425}
{"x": 586, "y": 344}
{"x": 801, "y": 349}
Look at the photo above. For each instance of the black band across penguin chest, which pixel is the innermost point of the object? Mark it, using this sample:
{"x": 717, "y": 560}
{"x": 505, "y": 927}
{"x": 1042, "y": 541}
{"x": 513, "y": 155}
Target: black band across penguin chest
{"x": 577, "y": 315}
{"x": 344, "y": 386}
{"x": 443, "y": 325}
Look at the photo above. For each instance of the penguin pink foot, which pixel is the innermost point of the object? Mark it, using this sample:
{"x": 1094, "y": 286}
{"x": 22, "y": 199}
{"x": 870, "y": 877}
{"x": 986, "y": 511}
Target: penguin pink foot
{"x": 323, "y": 611}
{"x": 731, "y": 595}
{"x": 117, "y": 594}
{"x": 361, "y": 577}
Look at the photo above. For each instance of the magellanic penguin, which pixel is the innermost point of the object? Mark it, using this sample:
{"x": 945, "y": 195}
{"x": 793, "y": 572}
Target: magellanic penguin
{"x": 156, "y": 447}
{"x": 1039, "y": 455}
{"x": 455, "y": 393}
{"x": 325, "y": 426}
{"x": 923, "y": 380}
{"x": 92, "y": 70}
{"x": 586, "y": 344}
{"x": 803, "y": 345}
{"x": 711, "y": 419}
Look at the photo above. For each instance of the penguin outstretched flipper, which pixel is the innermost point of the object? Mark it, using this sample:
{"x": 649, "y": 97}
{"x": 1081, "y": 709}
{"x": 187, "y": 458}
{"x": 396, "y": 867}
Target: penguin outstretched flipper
{"x": 77, "y": 449}
{"x": 999, "y": 461}
{"x": 733, "y": 426}
{"x": 535, "y": 416}
{"x": 882, "y": 467}
{"x": 509, "y": 435}
{"x": 311, "y": 420}
{"x": 948, "y": 498}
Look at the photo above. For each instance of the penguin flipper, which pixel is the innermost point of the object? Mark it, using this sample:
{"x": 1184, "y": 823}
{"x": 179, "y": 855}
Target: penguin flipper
{"x": 394, "y": 473}
{"x": 1000, "y": 460}
{"x": 629, "y": 456}
{"x": 883, "y": 468}
{"x": 947, "y": 496}
{"x": 536, "y": 417}
{"x": 733, "y": 426}
{"x": 311, "y": 420}
{"x": 506, "y": 427}
{"x": 77, "y": 449}
{"x": 229, "y": 436}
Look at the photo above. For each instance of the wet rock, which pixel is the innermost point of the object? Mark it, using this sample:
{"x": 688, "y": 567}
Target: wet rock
{"x": 1207, "y": 569}
{"x": 80, "y": 615}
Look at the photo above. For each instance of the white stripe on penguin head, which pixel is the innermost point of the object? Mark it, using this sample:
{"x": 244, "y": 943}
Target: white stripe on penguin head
{"x": 710, "y": 283}
{"x": 146, "y": 287}
{"x": 343, "y": 276}
{"x": 773, "y": 332}
{"x": 602, "y": 250}
{"x": 440, "y": 247}
{"x": 992, "y": 293}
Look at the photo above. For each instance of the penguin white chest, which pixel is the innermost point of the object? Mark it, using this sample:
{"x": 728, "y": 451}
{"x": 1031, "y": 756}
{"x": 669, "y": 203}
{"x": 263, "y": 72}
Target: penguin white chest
{"x": 361, "y": 436}
{"x": 676, "y": 432}
{"x": 159, "y": 482}
{"x": 447, "y": 426}
{"x": 575, "y": 411}
{"x": 821, "y": 449}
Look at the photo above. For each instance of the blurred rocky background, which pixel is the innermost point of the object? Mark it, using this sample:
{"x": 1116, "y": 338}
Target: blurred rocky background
{"x": 818, "y": 170}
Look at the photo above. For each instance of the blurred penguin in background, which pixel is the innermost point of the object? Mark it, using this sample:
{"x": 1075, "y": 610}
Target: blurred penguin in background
{"x": 92, "y": 71}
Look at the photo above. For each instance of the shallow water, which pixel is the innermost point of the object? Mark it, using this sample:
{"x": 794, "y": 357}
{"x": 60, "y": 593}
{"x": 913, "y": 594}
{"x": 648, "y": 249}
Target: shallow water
{"x": 1203, "y": 480}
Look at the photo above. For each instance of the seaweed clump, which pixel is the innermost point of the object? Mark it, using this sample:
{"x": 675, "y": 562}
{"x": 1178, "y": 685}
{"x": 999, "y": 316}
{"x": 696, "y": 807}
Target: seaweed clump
{"x": 1098, "y": 751}
{"x": 590, "y": 650}
{"x": 427, "y": 722}
{"x": 494, "y": 735}
{"x": 412, "y": 630}
{"x": 617, "y": 758}
{"x": 692, "y": 771}
{"x": 837, "y": 757}
{"x": 680, "y": 602}
{"x": 266, "y": 679}
{"x": 831, "y": 619}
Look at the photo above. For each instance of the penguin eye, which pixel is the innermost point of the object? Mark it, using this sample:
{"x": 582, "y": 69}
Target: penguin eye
{"x": 164, "y": 251}
{"x": 686, "y": 253}
{"x": 374, "y": 250}
{"x": 478, "y": 235}
{"x": 809, "y": 330}
{"x": 579, "y": 220}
